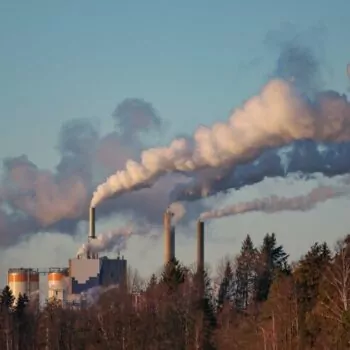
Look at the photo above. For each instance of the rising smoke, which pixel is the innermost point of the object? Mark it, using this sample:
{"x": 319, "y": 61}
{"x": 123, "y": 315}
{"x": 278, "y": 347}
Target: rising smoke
{"x": 303, "y": 159}
{"x": 311, "y": 127}
{"x": 290, "y": 110}
{"x": 275, "y": 204}
{"x": 297, "y": 64}
{"x": 113, "y": 240}
{"x": 277, "y": 117}
{"x": 34, "y": 199}
{"x": 178, "y": 210}
{"x": 291, "y": 126}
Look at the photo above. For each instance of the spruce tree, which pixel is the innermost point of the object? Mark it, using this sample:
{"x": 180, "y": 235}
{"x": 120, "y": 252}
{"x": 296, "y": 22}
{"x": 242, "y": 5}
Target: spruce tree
{"x": 245, "y": 276}
{"x": 226, "y": 287}
{"x": 173, "y": 275}
{"x": 22, "y": 320}
{"x": 153, "y": 281}
{"x": 206, "y": 320}
{"x": 21, "y": 305}
{"x": 7, "y": 298}
{"x": 308, "y": 276}
{"x": 272, "y": 261}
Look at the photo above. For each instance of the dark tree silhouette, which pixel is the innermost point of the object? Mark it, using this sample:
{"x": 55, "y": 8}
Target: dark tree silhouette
{"x": 245, "y": 279}
{"x": 260, "y": 303}
{"x": 173, "y": 275}
{"x": 272, "y": 260}
{"x": 6, "y": 298}
{"x": 226, "y": 287}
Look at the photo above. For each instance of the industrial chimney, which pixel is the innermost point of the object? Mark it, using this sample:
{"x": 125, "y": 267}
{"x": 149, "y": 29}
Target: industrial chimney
{"x": 172, "y": 251}
{"x": 92, "y": 233}
{"x": 200, "y": 246}
{"x": 168, "y": 237}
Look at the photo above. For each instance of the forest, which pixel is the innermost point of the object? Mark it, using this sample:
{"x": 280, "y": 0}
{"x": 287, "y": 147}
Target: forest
{"x": 260, "y": 300}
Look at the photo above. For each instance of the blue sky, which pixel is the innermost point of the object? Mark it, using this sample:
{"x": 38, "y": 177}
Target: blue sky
{"x": 194, "y": 60}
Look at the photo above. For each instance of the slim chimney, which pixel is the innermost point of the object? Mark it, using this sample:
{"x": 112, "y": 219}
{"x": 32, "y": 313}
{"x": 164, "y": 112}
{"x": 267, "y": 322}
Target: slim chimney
{"x": 200, "y": 246}
{"x": 172, "y": 242}
{"x": 167, "y": 237}
{"x": 92, "y": 233}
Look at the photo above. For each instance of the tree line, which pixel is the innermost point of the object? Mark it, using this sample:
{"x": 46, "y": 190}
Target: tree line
{"x": 261, "y": 302}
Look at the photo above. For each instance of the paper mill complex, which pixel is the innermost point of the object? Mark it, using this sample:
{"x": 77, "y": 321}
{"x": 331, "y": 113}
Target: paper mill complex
{"x": 71, "y": 285}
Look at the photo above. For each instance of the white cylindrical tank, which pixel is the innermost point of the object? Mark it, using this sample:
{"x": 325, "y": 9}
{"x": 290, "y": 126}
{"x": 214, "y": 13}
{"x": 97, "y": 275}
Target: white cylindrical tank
{"x": 57, "y": 285}
{"x": 23, "y": 281}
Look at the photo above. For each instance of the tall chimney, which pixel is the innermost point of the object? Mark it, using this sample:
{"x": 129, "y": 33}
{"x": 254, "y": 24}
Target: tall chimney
{"x": 172, "y": 241}
{"x": 92, "y": 233}
{"x": 167, "y": 237}
{"x": 200, "y": 246}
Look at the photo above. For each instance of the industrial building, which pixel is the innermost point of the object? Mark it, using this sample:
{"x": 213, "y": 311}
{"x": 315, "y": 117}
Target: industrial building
{"x": 70, "y": 284}
{"x": 88, "y": 271}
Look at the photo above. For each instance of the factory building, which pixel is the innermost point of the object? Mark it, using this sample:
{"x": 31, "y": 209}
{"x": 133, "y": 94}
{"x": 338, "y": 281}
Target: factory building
{"x": 69, "y": 284}
{"x": 88, "y": 271}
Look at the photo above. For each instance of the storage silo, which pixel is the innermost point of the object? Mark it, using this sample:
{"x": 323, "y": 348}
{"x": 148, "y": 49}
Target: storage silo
{"x": 23, "y": 281}
{"x": 58, "y": 284}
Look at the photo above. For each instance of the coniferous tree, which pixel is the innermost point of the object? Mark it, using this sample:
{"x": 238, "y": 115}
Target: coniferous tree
{"x": 272, "y": 260}
{"x": 21, "y": 304}
{"x": 226, "y": 287}
{"x": 6, "y": 298}
{"x": 7, "y": 325}
{"x": 153, "y": 281}
{"x": 22, "y": 320}
{"x": 173, "y": 275}
{"x": 245, "y": 275}
{"x": 206, "y": 320}
{"x": 308, "y": 275}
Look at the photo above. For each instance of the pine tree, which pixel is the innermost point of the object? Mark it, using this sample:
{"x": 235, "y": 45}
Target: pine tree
{"x": 308, "y": 275}
{"x": 22, "y": 320}
{"x": 6, "y": 298}
{"x": 206, "y": 320}
{"x": 21, "y": 304}
{"x": 173, "y": 275}
{"x": 152, "y": 282}
{"x": 272, "y": 261}
{"x": 226, "y": 286}
{"x": 245, "y": 275}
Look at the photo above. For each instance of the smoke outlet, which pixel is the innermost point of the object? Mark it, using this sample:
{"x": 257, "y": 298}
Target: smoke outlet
{"x": 92, "y": 233}
{"x": 168, "y": 240}
{"x": 172, "y": 247}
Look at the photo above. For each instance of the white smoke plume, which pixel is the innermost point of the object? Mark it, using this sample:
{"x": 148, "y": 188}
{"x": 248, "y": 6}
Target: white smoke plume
{"x": 112, "y": 240}
{"x": 276, "y": 117}
{"x": 275, "y": 204}
{"x": 35, "y": 200}
{"x": 178, "y": 210}
{"x": 92, "y": 295}
{"x": 109, "y": 241}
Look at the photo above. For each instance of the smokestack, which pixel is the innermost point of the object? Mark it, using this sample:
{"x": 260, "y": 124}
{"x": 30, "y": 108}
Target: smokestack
{"x": 168, "y": 244}
{"x": 200, "y": 246}
{"x": 92, "y": 234}
{"x": 172, "y": 241}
